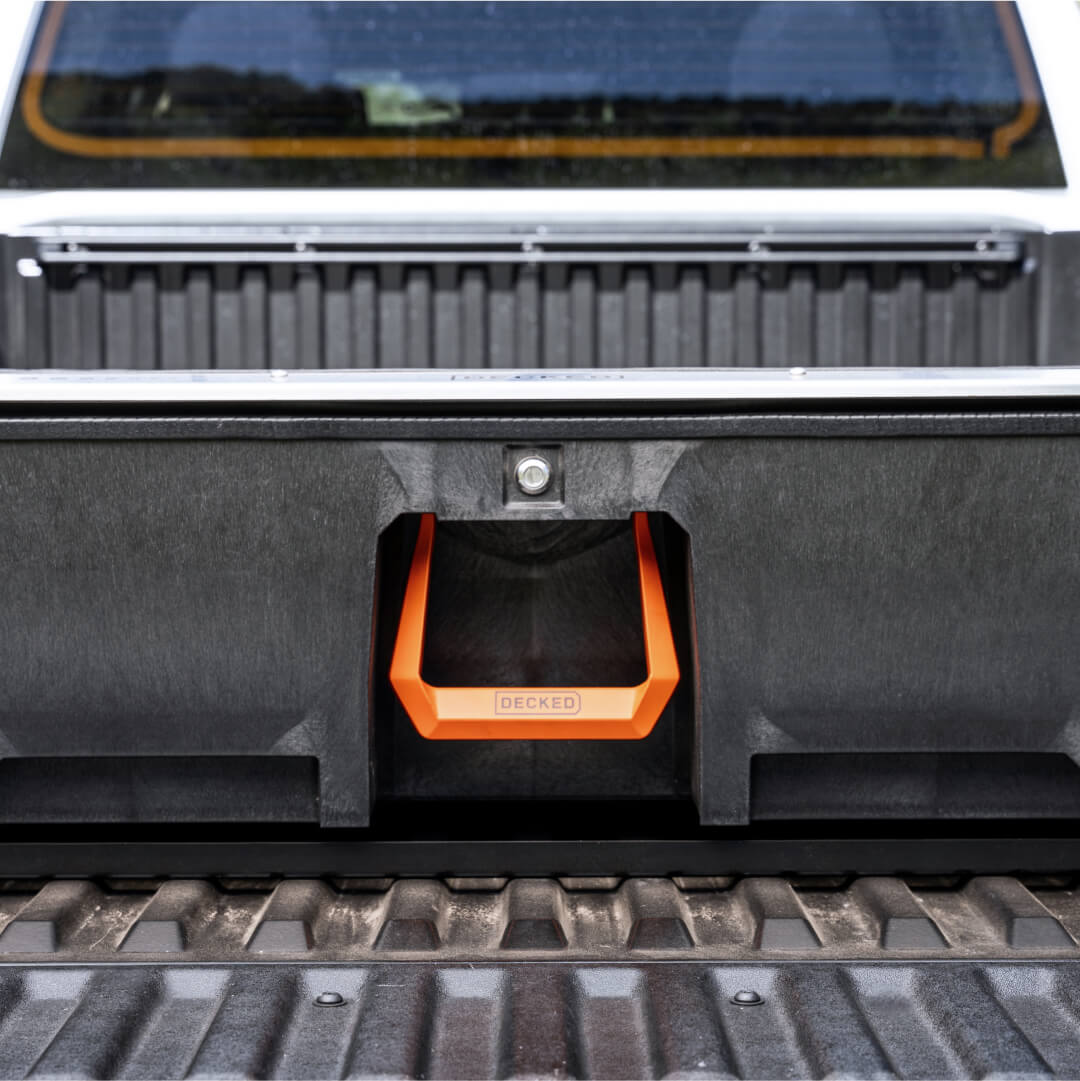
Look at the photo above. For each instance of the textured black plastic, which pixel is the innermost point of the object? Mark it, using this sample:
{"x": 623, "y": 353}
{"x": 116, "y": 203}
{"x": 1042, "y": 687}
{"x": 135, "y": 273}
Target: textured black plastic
{"x": 534, "y": 604}
{"x": 900, "y": 594}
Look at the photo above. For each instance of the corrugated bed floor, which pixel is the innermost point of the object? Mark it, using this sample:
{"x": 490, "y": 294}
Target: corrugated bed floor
{"x": 544, "y": 1019}
{"x": 871, "y": 977}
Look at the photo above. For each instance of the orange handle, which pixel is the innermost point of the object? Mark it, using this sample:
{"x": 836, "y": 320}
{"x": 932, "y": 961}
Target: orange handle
{"x": 535, "y": 712}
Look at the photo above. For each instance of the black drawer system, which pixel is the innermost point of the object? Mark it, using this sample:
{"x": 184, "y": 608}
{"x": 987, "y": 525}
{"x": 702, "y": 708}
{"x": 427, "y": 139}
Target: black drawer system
{"x": 873, "y": 612}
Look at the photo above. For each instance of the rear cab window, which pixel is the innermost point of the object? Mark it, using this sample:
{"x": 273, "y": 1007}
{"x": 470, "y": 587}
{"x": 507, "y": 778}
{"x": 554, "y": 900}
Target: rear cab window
{"x": 550, "y": 94}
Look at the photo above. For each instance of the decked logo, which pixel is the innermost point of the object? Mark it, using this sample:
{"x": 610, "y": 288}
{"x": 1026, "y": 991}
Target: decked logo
{"x": 538, "y": 703}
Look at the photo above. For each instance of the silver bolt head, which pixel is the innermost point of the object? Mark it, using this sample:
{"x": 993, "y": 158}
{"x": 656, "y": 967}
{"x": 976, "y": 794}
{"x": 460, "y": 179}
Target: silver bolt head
{"x": 746, "y": 998}
{"x": 330, "y": 998}
{"x": 533, "y": 475}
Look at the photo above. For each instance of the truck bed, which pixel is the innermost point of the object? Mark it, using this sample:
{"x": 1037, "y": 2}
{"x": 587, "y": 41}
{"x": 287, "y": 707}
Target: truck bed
{"x": 539, "y": 540}
{"x": 856, "y": 977}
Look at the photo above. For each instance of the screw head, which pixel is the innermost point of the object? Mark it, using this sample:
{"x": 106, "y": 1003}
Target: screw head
{"x": 329, "y": 998}
{"x": 746, "y": 998}
{"x": 533, "y": 475}
{"x": 278, "y": 373}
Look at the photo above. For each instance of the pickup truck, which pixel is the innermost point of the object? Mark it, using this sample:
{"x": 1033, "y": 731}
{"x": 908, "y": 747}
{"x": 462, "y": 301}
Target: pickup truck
{"x": 539, "y": 539}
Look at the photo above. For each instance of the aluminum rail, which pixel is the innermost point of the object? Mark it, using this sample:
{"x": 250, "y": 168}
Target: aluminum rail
{"x": 519, "y": 387}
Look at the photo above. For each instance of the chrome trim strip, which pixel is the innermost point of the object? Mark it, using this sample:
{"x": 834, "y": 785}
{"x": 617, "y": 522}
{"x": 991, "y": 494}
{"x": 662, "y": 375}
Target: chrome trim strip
{"x": 513, "y": 387}
{"x": 1005, "y": 253}
{"x": 77, "y": 215}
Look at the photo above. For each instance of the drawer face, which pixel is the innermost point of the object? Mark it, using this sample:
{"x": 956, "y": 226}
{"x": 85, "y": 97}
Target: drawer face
{"x": 223, "y": 595}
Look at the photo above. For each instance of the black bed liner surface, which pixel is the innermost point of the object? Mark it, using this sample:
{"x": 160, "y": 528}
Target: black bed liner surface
{"x": 869, "y": 977}
{"x": 547, "y": 1019}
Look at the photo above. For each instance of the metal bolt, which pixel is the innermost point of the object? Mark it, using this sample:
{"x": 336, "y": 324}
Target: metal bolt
{"x": 279, "y": 373}
{"x": 746, "y": 998}
{"x": 533, "y": 475}
{"x": 796, "y": 373}
{"x": 329, "y": 998}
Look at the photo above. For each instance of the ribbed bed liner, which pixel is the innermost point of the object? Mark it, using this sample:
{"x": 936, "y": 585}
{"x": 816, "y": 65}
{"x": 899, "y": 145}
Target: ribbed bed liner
{"x": 868, "y": 977}
{"x": 536, "y": 301}
{"x": 546, "y": 1019}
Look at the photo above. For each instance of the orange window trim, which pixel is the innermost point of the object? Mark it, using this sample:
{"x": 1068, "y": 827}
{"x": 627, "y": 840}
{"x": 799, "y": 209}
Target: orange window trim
{"x": 893, "y": 146}
{"x": 1007, "y": 135}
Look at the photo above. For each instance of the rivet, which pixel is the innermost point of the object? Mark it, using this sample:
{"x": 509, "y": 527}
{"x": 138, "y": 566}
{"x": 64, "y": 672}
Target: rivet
{"x": 746, "y": 998}
{"x": 279, "y": 373}
{"x": 796, "y": 373}
{"x": 329, "y": 998}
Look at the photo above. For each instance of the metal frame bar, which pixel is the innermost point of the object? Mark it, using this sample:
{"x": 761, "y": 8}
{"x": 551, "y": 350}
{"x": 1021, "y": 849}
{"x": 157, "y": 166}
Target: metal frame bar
{"x": 513, "y": 387}
{"x": 860, "y": 852}
{"x": 533, "y": 247}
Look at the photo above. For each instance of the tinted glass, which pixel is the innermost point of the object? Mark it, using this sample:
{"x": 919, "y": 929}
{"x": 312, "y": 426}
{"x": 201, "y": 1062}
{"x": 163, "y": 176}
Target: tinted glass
{"x": 566, "y": 94}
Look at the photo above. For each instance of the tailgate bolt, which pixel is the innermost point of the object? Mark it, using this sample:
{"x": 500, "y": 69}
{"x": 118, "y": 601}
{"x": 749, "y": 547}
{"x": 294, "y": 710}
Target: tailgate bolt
{"x": 746, "y": 998}
{"x": 533, "y": 475}
{"x": 329, "y": 998}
